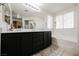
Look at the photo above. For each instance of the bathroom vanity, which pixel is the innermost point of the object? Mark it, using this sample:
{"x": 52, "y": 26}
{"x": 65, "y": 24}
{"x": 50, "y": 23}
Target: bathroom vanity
{"x": 24, "y": 43}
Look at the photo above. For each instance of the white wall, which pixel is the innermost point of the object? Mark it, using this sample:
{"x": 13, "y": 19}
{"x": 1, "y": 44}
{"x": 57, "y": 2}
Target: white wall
{"x": 77, "y": 26}
{"x": 0, "y": 17}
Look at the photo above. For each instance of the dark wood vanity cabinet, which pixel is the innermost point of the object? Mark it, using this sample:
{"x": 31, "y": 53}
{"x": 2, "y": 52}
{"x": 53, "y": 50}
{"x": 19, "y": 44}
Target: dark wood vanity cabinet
{"x": 47, "y": 39}
{"x": 38, "y": 41}
{"x": 24, "y": 44}
{"x": 10, "y": 44}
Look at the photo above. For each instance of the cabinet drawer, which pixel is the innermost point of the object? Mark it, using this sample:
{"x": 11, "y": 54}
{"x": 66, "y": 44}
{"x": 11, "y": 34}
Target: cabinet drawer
{"x": 27, "y": 34}
{"x": 37, "y": 34}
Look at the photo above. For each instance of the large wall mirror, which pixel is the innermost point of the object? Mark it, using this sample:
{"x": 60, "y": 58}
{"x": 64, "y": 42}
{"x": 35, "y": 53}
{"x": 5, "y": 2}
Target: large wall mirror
{"x": 29, "y": 24}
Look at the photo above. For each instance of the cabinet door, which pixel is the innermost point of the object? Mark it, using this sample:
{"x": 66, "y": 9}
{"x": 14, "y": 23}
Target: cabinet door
{"x": 12, "y": 46}
{"x": 37, "y": 41}
{"x": 3, "y": 45}
{"x": 27, "y": 44}
{"x": 47, "y": 39}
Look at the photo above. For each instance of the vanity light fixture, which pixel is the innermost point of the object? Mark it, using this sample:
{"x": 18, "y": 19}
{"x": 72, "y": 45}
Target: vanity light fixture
{"x": 32, "y": 6}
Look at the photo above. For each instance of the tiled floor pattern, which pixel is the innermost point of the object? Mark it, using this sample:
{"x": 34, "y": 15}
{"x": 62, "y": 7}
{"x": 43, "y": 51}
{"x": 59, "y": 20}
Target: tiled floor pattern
{"x": 55, "y": 50}
{"x": 52, "y": 52}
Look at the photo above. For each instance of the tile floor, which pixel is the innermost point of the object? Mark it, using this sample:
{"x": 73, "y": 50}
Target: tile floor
{"x": 55, "y": 50}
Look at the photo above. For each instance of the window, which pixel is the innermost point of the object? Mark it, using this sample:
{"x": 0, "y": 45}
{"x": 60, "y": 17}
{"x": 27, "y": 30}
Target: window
{"x": 65, "y": 20}
{"x": 69, "y": 20}
{"x": 49, "y": 22}
{"x": 59, "y": 21}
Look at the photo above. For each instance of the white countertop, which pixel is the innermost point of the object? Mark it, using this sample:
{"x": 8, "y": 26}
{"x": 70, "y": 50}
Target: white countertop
{"x": 26, "y": 30}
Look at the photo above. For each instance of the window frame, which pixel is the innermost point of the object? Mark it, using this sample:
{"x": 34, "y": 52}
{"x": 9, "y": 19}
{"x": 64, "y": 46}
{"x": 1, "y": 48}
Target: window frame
{"x": 63, "y": 20}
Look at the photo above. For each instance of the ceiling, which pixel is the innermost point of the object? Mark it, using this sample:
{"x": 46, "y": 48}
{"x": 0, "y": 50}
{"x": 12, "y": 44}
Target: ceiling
{"x": 46, "y": 8}
{"x": 57, "y": 7}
